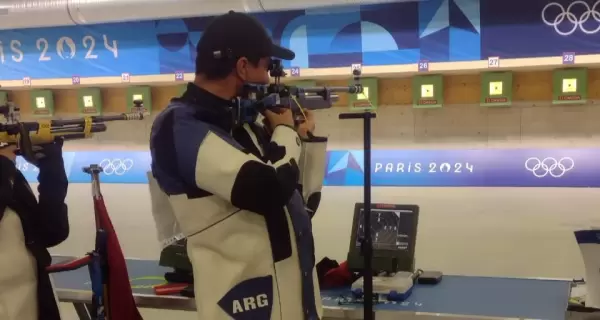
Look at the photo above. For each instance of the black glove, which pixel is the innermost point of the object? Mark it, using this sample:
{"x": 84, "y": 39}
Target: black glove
{"x": 35, "y": 154}
{"x": 46, "y": 153}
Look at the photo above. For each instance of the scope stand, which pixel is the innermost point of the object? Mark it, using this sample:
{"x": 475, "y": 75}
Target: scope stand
{"x": 367, "y": 241}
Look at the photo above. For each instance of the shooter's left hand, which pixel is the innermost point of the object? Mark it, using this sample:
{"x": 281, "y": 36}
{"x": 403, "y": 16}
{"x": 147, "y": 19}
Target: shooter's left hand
{"x": 306, "y": 125}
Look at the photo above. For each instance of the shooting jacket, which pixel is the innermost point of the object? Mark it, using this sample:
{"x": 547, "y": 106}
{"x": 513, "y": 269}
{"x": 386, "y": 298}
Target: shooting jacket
{"x": 244, "y": 200}
{"x": 27, "y": 229}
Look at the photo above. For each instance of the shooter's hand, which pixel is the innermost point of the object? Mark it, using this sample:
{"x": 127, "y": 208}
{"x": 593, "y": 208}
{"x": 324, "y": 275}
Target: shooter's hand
{"x": 9, "y": 152}
{"x": 307, "y": 124}
{"x": 50, "y": 152}
{"x": 281, "y": 116}
{"x": 46, "y": 155}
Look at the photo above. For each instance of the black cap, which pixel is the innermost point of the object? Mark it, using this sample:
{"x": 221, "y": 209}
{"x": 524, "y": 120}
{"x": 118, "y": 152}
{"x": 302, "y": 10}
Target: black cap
{"x": 236, "y": 35}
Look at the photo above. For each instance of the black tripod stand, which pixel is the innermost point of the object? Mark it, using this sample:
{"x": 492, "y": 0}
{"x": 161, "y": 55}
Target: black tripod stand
{"x": 367, "y": 242}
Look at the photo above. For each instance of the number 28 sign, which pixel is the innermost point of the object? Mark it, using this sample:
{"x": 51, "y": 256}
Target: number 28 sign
{"x": 568, "y": 58}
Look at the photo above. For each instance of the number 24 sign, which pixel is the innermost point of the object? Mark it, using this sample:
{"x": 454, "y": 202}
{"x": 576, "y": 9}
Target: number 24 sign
{"x": 295, "y": 71}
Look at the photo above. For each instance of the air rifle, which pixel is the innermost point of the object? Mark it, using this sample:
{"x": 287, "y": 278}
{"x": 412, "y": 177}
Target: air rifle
{"x": 257, "y": 98}
{"x": 47, "y": 130}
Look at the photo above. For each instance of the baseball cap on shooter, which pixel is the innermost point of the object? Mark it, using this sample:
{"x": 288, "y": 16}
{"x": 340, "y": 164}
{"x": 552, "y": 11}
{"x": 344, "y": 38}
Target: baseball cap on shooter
{"x": 235, "y": 35}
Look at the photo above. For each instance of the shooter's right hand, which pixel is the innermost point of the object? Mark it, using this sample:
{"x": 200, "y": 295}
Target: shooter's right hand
{"x": 281, "y": 116}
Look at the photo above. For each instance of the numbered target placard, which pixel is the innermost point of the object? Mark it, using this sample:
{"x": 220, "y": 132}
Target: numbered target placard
{"x": 568, "y": 58}
{"x": 295, "y": 71}
{"x": 42, "y": 102}
{"x": 139, "y": 93}
{"x": 493, "y": 62}
{"x": 368, "y": 99}
{"x": 423, "y": 66}
{"x": 496, "y": 89}
{"x": 125, "y": 77}
{"x": 570, "y": 86}
{"x": 428, "y": 91}
{"x": 90, "y": 101}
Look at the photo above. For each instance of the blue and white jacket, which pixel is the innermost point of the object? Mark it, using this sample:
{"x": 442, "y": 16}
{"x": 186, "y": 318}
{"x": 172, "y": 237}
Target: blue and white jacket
{"x": 244, "y": 200}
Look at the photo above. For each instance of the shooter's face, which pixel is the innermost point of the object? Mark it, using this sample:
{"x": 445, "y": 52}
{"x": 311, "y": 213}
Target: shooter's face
{"x": 250, "y": 73}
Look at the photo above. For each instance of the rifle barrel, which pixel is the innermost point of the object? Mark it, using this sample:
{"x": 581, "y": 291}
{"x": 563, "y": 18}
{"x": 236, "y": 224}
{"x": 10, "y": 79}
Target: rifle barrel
{"x": 348, "y": 89}
{"x": 313, "y": 102}
{"x": 97, "y": 119}
{"x": 96, "y": 127}
{"x": 333, "y": 98}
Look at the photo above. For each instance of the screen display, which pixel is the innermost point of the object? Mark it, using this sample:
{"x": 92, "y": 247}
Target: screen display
{"x": 390, "y": 228}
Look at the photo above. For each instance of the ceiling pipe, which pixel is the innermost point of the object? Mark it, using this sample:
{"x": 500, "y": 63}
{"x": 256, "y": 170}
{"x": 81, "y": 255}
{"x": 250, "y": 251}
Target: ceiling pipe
{"x": 18, "y": 14}
{"x": 103, "y": 11}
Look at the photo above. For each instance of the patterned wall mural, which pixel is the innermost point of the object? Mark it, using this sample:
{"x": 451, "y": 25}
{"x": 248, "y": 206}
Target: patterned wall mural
{"x": 397, "y": 33}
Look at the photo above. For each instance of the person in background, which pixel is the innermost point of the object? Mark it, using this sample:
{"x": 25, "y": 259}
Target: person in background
{"x": 28, "y": 227}
{"x": 242, "y": 194}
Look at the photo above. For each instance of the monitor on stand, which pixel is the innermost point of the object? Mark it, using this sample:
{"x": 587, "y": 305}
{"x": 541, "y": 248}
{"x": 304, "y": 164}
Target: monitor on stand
{"x": 394, "y": 234}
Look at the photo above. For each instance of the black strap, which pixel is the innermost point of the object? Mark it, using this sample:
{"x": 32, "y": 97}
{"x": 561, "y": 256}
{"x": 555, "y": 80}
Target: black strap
{"x": 7, "y": 177}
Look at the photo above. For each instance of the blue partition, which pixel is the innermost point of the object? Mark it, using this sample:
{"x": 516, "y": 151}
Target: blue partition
{"x": 404, "y": 168}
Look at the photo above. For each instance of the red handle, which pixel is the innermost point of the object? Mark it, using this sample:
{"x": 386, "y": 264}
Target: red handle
{"x": 169, "y": 288}
{"x": 68, "y": 266}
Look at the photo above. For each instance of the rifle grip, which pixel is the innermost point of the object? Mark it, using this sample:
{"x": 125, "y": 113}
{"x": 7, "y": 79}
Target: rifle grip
{"x": 25, "y": 145}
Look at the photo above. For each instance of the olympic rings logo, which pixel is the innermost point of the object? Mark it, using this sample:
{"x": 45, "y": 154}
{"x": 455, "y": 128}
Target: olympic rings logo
{"x": 116, "y": 166}
{"x": 549, "y": 166}
{"x": 572, "y": 18}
